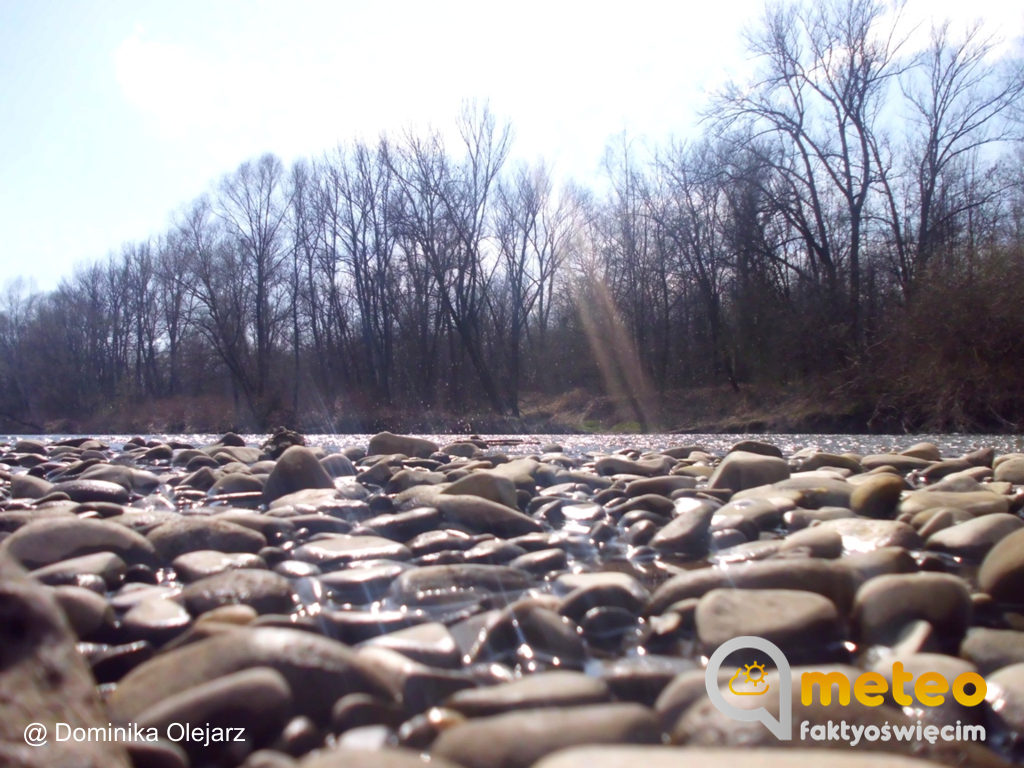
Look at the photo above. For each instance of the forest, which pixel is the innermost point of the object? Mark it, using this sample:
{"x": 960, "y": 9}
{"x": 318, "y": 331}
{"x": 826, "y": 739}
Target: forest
{"x": 840, "y": 246}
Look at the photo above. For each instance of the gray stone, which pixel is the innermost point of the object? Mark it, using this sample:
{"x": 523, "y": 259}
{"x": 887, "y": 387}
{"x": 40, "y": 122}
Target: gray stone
{"x": 86, "y": 611}
{"x": 1005, "y": 700}
{"x": 1002, "y": 570}
{"x": 803, "y": 624}
{"x": 740, "y": 470}
{"x": 536, "y": 691}
{"x": 498, "y": 741}
{"x": 106, "y": 565}
{"x": 156, "y": 620}
{"x": 486, "y": 485}
{"x": 526, "y": 632}
{"x": 93, "y": 490}
{"x": 263, "y": 590}
{"x": 390, "y": 757}
{"x": 318, "y": 670}
{"x": 201, "y": 563}
{"x": 865, "y": 535}
{"x": 386, "y": 443}
{"x": 298, "y": 469}
{"x": 973, "y": 539}
{"x": 1011, "y": 471}
{"x": 977, "y": 502}
{"x": 429, "y": 643}
{"x": 878, "y": 496}
{"x": 825, "y": 577}
{"x": 257, "y": 700}
{"x": 711, "y": 757}
{"x": 198, "y": 532}
{"x": 992, "y": 649}
{"x": 341, "y": 548}
{"x": 433, "y": 584}
{"x": 43, "y": 679}
{"x": 54, "y": 539}
{"x": 884, "y": 605}
{"x": 686, "y": 535}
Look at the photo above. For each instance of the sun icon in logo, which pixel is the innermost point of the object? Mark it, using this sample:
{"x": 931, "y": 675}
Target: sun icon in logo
{"x": 754, "y": 673}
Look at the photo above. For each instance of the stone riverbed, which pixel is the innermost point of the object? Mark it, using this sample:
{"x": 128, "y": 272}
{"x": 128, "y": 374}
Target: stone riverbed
{"x": 393, "y": 601}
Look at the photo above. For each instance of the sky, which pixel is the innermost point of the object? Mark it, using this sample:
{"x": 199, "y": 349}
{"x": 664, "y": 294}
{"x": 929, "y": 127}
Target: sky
{"x": 114, "y": 114}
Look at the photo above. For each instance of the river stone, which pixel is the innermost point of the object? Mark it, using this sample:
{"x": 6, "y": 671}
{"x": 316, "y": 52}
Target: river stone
{"x": 389, "y": 757}
{"x": 604, "y": 589}
{"x": 416, "y": 686}
{"x": 740, "y": 470}
{"x": 403, "y": 526}
{"x": 387, "y": 443}
{"x": 263, "y": 590}
{"x": 825, "y": 577}
{"x": 235, "y": 483}
{"x": 54, "y": 539}
{"x": 429, "y": 643}
{"x": 950, "y": 712}
{"x": 519, "y": 739}
{"x": 486, "y": 485}
{"x": 298, "y": 469}
{"x": 361, "y": 583}
{"x": 1010, "y": 470}
{"x": 878, "y": 496}
{"x": 885, "y": 605}
{"x": 977, "y": 502}
{"x": 973, "y": 539}
{"x": 43, "y": 679}
{"x": 155, "y": 619}
{"x": 201, "y": 563}
{"x": 434, "y": 583}
{"x": 318, "y": 670}
{"x": 820, "y": 459}
{"x": 85, "y": 610}
{"x": 106, "y": 565}
{"x": 677, "y": 757}
{"x": 686, "y": 535}
{"x": 526, "y": 631}
{"x": 196, "y": 532}
{"x": 256, "y": 699}
{"x": 1002, "y": 570}
{"x": 661, "y": 486}
{"x": 620, "y": 465}
{"x": 338, "y": 465}
{"x": 336, "y": 549}
{"x": 1005, "y": 701}
{"x": 29, "y": 487}
{"x": 803, "y": 624}
{"x": 865, "y": 535}
{"x": 899, "y": 462}
{"x": 131, "y": 479}
{"x": 93, "y": 490}
{"x": 816, "y": 541}
{"x": 536, "y": 691}
{"x": 992, "y": 649}
{"x": 480, "y": 515}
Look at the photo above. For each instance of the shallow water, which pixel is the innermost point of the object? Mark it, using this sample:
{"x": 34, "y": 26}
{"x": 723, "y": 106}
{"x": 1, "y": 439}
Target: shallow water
{"x": 949, "y": 444}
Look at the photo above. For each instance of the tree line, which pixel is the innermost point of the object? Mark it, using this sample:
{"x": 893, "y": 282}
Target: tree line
{"x": 851, "y": 216}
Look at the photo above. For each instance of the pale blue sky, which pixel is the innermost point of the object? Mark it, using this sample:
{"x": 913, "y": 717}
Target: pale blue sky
{"x": 114, "y": 113}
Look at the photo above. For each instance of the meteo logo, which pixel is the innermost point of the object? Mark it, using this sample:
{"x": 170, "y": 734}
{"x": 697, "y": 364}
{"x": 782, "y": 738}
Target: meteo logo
{"x": 930, "y": 689}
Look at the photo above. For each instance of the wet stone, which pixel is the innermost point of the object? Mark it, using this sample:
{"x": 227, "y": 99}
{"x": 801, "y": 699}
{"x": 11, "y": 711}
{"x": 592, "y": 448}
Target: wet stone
{"x": 263, "y": 590}
{"x": 333, "y": 550}
{"x": 806, "y": 626}
{"x": 485, "y": 742}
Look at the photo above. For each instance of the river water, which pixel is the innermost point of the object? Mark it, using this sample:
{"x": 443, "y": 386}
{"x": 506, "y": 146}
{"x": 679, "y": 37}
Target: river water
{"x": 951, "y": 445}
